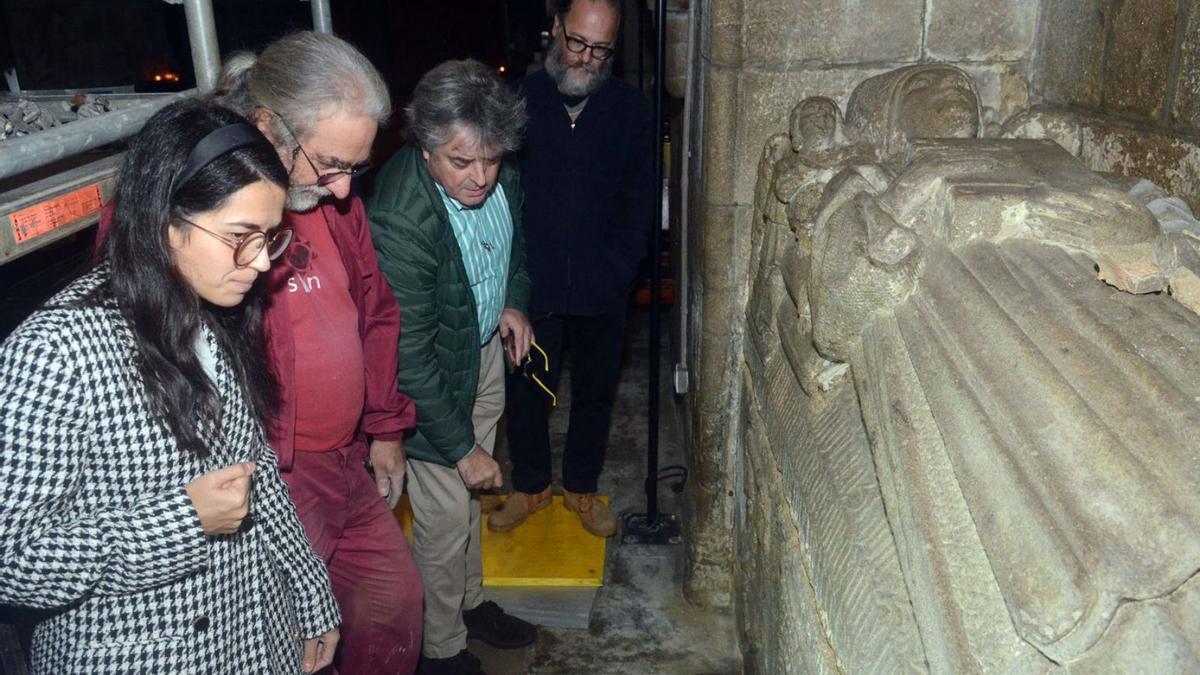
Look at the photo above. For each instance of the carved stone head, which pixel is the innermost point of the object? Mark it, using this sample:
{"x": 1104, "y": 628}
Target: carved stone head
{"x": 924, "y": 101}
{"x": 814, "y": 123}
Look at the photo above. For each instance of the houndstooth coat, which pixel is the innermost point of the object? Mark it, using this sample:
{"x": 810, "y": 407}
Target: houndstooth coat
{"x": 96, "y": 525}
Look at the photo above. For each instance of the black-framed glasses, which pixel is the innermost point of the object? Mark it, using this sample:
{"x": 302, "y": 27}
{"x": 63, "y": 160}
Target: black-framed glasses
{"x": 577, "y": 46}
{"x": 247, "y": 249}
{"x": 323, "y": 179}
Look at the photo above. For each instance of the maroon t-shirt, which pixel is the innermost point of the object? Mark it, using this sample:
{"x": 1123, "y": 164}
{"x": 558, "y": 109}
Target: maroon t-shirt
{"x": 329, "y": 384}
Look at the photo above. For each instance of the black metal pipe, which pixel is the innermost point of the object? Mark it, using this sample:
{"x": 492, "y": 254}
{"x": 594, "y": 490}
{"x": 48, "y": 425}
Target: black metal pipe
{"x": 656, "y": 270}
{"x": 640, "y": 15}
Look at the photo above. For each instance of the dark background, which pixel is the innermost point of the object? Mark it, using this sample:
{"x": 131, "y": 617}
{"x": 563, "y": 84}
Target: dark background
{"x": 60, "y": 44}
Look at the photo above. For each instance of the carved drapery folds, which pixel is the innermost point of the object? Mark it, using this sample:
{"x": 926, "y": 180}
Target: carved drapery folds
{"x": 1034, "y": 430}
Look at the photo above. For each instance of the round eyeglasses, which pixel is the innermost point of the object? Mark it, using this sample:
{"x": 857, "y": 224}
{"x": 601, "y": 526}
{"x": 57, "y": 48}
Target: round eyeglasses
{"x": 246, "y": 248}
{"x": 323, "y": 179}
{"x": 327, "y": 179}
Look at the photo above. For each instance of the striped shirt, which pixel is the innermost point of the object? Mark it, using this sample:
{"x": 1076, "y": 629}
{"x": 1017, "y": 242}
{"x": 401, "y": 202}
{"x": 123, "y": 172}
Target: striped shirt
{"x": 484, "y": 235}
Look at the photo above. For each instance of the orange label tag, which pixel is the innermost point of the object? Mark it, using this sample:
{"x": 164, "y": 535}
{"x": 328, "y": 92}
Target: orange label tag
{"x": 47, "y": 216}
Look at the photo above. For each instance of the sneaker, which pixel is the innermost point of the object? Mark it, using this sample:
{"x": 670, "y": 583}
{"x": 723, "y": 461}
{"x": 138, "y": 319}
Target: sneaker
{"x": 516, "y": 509}
{"x": 490, "y": 625}
{"x": 593, "y": 513}
{"x": 462, "y": 663}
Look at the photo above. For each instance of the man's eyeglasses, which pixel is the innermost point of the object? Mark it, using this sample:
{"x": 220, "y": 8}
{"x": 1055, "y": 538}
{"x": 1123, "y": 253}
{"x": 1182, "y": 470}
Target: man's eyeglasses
{"x": 323, "y": 179}
{"x": 247, "y": 249}
{"x": 529, "y": 371}
{"x": 577, "y": 46}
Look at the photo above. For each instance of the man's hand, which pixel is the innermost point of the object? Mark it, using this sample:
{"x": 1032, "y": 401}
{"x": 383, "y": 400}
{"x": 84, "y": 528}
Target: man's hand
{"x": 513, "y": 323}
{"x": 318, "y": 651}
{"x": 387, "y": 458}
{"x": 479, "y": 471}
{"x": 222, "y": 497}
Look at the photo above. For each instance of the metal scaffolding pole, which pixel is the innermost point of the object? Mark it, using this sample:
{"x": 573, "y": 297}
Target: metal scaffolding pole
{"x": 202, "y": 34}
{"x": 29, "y": 152}
{"x": 654, "y": 527}
{"x": 322, "y": 21}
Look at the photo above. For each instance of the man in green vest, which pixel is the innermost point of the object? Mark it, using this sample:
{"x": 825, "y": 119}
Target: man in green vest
{"x": 445, "y": 218}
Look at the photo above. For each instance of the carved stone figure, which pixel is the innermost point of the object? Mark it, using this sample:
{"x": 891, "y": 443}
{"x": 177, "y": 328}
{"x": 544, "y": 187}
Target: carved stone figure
{"x": 768, "y": 209}
{"x": 1031, "y": 429}
{"x": 819, "y": 148}
{"x": 951, "y": 193}
{"x": 888, "y": 111}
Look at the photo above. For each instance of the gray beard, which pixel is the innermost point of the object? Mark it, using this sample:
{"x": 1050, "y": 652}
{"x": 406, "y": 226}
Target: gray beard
{"x": 561, "y": 73}
{"x": 304, "y": 198}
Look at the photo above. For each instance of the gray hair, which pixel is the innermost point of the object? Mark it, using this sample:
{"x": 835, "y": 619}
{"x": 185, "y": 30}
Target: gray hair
{"x": 465, "y": 95}
{"x": 305, "y": 77}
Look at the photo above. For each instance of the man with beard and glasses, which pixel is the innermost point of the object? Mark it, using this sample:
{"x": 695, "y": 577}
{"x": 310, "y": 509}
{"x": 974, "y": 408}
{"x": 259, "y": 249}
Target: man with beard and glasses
{"x": 332, "y": 325}
{"x": 332, "y": 328}
{"x": 587, "y": 168}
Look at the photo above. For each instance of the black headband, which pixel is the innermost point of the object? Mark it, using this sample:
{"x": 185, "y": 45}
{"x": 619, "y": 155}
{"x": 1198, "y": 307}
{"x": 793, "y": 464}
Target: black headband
{"x": 218, "y": 142}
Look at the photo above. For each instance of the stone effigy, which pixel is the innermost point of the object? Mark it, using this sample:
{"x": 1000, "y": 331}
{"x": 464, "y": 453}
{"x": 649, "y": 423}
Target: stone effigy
{"x": 1032, "y": 430}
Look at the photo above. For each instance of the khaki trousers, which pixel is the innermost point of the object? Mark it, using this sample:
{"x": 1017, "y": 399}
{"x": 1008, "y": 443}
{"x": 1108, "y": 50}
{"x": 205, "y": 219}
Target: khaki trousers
{"x": 446, "y": 521}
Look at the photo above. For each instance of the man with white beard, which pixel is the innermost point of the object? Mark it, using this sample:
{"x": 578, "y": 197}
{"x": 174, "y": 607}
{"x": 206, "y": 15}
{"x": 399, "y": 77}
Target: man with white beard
{"x": 587, "y": 168}
{"x": 332, "y": 329}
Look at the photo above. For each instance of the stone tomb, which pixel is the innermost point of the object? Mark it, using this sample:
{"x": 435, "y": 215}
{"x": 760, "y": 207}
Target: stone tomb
{"x": 972, "y": 390}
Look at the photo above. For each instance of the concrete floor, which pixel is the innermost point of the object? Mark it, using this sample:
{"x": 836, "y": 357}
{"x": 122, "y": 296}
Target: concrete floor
{"x": 640, "y": 622}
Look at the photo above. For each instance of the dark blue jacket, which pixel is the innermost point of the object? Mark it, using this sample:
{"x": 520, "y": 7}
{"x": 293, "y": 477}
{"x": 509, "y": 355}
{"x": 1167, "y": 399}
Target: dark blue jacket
{"x": 589, "y": 195}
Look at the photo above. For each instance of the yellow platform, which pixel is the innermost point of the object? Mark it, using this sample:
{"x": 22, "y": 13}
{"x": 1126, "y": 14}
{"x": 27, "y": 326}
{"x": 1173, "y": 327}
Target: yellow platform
{"x": 551, "y": 548}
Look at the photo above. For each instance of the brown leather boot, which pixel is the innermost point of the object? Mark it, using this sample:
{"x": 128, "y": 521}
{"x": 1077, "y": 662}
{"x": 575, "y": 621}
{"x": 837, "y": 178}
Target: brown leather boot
{"x": 593, "y": 513}
{"x": 516, "y": 509}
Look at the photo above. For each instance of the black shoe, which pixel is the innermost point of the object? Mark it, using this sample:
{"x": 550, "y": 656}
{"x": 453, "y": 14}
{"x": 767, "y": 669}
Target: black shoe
{"x": 462, "y": 663}
{"x": 489, "y": 624}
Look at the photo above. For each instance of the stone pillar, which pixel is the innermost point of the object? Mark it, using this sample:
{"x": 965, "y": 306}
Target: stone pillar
{"x": 717, "y": 277}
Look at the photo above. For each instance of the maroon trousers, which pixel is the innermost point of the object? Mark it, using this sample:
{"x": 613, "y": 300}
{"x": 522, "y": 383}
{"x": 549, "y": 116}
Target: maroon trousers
{"x": 374, "y": 578}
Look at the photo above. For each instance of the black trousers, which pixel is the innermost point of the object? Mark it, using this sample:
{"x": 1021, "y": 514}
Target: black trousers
{"x": 593, "y": 343}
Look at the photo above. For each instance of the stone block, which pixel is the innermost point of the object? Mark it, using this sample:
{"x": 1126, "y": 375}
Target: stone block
{"x": 1186, "y": 111}
{"x": 1185, "y": 288}
{"x": 724, "y": 46}
{"x": 1136, "y": 72}
{"x": 1170, "y": 161}
{"x": 712, "y": 379}
{"x": 678, "y": 35}
{"x": 999, "y": 30}
{"x": 780, "y": 32}
{"x": 1043, "y": 122}
{"x": 1072, "y": 52}
{"x": 1003, "y": 90}
{"x": 721, "y": 115}
{"x": 726, "y": 247}
{"x": 1132, "y": 269}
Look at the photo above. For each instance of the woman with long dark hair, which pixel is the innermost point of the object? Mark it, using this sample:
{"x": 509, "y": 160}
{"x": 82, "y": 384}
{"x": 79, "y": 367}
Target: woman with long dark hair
{"x": 139, "y": 501}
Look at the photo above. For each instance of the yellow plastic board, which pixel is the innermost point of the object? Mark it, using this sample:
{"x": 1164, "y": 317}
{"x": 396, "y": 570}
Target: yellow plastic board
{"x": 551, "y": 548}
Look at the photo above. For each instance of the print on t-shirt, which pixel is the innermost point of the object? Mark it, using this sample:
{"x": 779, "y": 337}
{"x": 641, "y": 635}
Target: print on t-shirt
{"x": 330, "y": 376}
{"x": 301, "y": 257}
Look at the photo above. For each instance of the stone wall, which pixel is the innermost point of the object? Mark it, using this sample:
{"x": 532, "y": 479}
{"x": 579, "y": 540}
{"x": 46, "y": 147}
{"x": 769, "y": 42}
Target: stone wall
{"x": 1129, "y": 71}
{"x": 757, "y": 58}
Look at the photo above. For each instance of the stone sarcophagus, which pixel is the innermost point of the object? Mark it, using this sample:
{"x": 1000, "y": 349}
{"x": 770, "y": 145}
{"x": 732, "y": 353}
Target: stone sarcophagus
{"x": 974, "y": 379}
